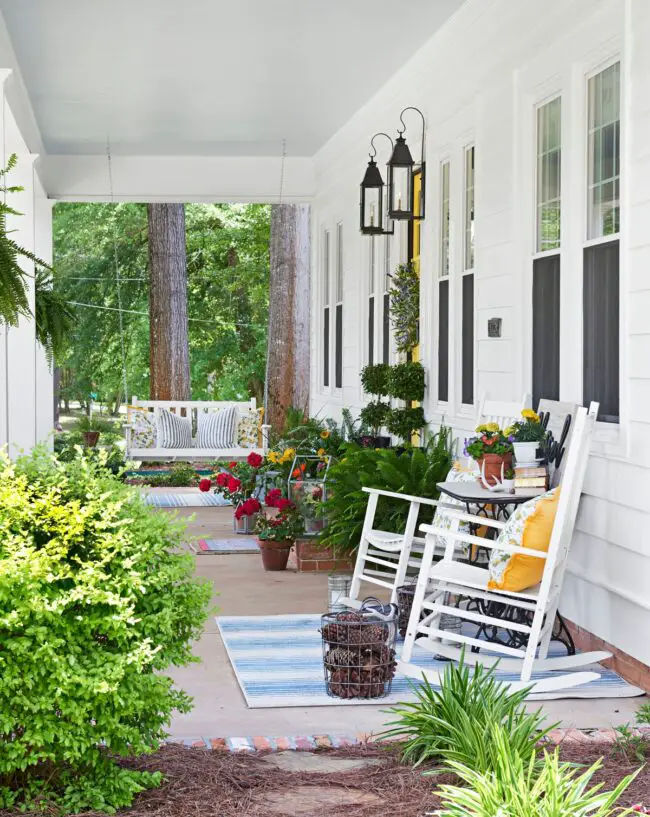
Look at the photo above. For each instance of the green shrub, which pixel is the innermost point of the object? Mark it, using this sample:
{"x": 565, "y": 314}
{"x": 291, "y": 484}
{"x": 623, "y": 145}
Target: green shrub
{"x": 94, "y": 422}
{"x": 457, "y": 723}
{"x": 403, "y": 422}
{"x": 374, "y": 415}
{"x": 95, "y": 605}
{"x": 528, "y": 788}
{"x": 406, "y": 381}
{"x": 413, "y": 471}
{"x": 182, "y": 475}
{"x": 374, "y": 379}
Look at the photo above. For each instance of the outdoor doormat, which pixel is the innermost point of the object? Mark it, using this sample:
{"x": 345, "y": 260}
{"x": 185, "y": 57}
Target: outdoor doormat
{"x": 197, "y": 500}
{"x": 239, "y": 544}
{"x": 278, "y": 662}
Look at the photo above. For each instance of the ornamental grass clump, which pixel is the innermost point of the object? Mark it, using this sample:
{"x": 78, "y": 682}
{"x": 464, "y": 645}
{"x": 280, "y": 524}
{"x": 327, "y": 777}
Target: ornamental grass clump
{"x": 456, "y": 723}
{"x": 95, "y": 606}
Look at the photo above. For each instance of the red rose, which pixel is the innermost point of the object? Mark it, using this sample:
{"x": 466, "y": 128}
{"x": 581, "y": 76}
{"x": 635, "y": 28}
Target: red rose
{"x": 232, "y": 465}
{"x": 233, "y": 484}
{"x": 254, "y": 459}
{"x": 222, "y": 479}
{"x": 272, "y": 497}
{"x": 284, "y": 504}
{"x": 250, "y": 506}
{"x": 239, "y": 512}
{"x": 205, "y": 485}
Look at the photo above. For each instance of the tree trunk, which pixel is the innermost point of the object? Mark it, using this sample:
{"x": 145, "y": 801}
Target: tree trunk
{"x": 168, "y": 335}
{"x": 56, "y": 376}
{"x": 287, "y": 373}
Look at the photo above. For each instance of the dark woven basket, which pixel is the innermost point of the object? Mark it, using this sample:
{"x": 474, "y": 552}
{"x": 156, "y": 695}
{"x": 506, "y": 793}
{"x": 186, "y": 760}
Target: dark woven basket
{"x": 359, "y": 651}
{"x": 405, "y": 594}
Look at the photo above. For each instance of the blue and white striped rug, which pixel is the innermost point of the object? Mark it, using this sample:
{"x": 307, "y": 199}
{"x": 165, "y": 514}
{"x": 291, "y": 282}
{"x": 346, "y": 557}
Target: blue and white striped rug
{"x": 278, "y": 663}
{"x": 197, "y": 500}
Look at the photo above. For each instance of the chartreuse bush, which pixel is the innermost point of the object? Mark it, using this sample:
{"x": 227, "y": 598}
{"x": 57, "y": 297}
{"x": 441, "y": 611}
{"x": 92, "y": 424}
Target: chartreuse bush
{"x": 94, "y": 607}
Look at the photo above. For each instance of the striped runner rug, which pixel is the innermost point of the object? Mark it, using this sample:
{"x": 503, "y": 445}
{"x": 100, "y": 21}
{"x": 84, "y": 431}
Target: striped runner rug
{"x": 238, "y": 544}
{"x": 278, "y": 663}
{"x": 197, "y": 500}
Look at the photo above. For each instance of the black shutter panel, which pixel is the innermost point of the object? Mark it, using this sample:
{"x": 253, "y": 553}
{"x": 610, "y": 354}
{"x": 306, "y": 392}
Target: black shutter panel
{"x": 546, "y": 328}
{"x": 385, "y": 337}
{"x": 443, "y": 340}
{"x": 468, "y": 340}
{"x": 338, "y": 339}
{"x": 326, "y": 347}
{"x": 371, "y": 331}
{"x": 600, "y": 379}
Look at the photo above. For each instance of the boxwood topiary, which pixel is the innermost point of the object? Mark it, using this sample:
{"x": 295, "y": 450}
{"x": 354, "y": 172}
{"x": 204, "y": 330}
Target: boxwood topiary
{"x": 374, "y": 379}
{"x": 405, "y": 421}
{"x": 406, "y": 381}
{"x": 95, "y": 606}
{"x": 374, "y": 415}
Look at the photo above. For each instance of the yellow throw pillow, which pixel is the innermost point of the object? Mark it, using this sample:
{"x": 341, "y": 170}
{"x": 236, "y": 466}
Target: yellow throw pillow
{"x": 530, "y": 526}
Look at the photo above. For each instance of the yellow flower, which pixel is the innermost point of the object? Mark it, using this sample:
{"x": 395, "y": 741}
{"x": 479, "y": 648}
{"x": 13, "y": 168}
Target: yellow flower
{"x": 508, "y": 432}
{"x": 529, "y": 414}
{"x": 481, "y": 428}
{"x": 289, "y": 454}
{"x": 324, "y": 434}
{"x": 321, "y": 452}
{"x": 273, "y": 456}
{"x": 492, "y": 428}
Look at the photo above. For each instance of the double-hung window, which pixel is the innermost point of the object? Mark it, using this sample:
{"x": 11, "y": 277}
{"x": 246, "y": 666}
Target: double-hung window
{"x": 467, "y": 302}
{"x": 600, "y": 379}
{"x": 326, "y": 308}
{"x": 546, "y": 259}
{"x": 371, "y": 301}
{"x": 385, "y": 319}
{"x": 443, "y": 283}
{"x": 338, "y": 329}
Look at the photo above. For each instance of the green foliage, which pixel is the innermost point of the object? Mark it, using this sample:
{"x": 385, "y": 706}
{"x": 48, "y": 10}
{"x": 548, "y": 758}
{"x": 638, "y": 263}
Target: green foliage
{"x": 374, "y": 379}
{"x": 352, "y": 430}
{"x": 403, "y": 422}
{"x": 406, "y": 381}
{"x": 413, "y": 472}
{"x": 405, "y": 306}
{"x": 95, "y": 606}
{"x": 519, "y": 787}
{"x": 375, "y": 415}
{"x": 629, "y": 745}
{"x": 70, "y": 445}
{"x": 54, "y": 317}
{"x": 228, "y": 279}
{"x": 643, "y": 714}
{"x": 94, "y": 422}
{"x": 458, "y": 722}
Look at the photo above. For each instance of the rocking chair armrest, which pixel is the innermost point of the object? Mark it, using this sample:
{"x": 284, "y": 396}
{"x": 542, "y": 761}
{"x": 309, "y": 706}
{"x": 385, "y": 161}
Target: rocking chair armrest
{"x": 406, "y": 497}
{"x": 463, "y": 516}
{"x": 481, "y": 542}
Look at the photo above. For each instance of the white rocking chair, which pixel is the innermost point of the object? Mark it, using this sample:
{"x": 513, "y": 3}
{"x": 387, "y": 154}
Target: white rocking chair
{"x": 396, "y": 553}
{"x": 501, "y": 411}
{"x": 450, "y": 576}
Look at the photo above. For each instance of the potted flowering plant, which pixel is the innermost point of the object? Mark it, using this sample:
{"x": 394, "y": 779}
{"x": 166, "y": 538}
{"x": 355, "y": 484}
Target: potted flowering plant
{"x": 239, "y": 483}
{"x": 492, "y": 450}
{"x": 277, "y": 533}
{"x": 306, "y": 487}
{"x": 527, "y": 435}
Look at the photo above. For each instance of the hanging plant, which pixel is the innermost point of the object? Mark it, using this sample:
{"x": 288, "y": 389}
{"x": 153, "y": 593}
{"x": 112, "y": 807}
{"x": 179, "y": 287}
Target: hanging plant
{"x": 405, "y": 306}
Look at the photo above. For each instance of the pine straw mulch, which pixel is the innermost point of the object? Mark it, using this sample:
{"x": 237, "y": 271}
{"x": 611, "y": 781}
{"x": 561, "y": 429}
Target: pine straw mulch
{"x": 202, "y": 783}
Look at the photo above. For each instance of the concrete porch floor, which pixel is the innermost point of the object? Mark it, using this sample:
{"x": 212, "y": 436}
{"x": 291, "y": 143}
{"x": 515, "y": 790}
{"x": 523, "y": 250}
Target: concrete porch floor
{"x": 241, "y": 587}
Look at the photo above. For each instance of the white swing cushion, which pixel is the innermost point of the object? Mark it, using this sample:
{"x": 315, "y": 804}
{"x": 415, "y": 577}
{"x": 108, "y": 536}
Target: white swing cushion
{"x": 173, "y": 430}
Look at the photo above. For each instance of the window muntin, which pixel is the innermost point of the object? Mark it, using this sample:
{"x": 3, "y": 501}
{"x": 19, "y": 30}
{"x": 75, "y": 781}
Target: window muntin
{"x": 468, "y": 232}
{"x": 549, "y": 167}
{"x": 604, "y": 153}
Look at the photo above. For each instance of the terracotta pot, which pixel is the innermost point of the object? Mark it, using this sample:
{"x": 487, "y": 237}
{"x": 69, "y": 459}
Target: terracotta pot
{"x": 90, "y": 438}
{"x": 493, "y": 463}
{"x": 275, "y": 555}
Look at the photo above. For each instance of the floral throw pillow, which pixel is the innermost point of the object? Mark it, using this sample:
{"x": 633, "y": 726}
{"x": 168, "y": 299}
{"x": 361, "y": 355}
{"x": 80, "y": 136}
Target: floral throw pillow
{"x": 143, "y": 429}
{"x": 248, "y": 428}
{"x": 443, "y": 520}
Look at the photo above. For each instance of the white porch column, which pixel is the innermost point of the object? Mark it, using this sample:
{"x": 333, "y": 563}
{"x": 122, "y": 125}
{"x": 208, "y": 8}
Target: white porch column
{"x": 4, "y": 395}
{"x": 21, "y": 340}
{"x": 44, "y": 393}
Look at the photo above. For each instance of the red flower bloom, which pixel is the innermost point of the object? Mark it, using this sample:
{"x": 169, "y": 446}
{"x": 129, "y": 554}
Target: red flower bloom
{"x": 233, "y": 484}
{"x": 488, "y": 440}
{"x": 254, "y": 459}
{"x": 222, "y": 479}
{"x": 297, "y": 472}
{"x": 303, "y": 467}
{"x": 205, "y": 485}
{"x": 232, "y": 465}
{"x": 250, "y": 506}
{"x": 284, "y": 505}
{"x": 272, "y": 497}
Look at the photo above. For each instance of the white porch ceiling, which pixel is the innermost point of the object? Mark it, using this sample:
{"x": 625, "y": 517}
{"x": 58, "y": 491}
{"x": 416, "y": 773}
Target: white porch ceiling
{"x": 208, "y": 77}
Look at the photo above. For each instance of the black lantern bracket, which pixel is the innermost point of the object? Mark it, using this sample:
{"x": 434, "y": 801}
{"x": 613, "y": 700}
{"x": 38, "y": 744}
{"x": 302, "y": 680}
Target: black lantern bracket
{"x": 373, "y": 181}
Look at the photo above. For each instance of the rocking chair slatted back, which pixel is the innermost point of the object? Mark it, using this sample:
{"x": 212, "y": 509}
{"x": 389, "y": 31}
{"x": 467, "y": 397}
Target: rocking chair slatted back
{"x": 502, "y": 412}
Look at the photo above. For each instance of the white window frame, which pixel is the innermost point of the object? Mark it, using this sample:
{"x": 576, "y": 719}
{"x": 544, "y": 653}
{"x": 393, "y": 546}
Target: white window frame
{"x": 467, "y": 409}
{"x": 537, "y": 253}
{"x": 339, "y": 286}
{"x": 445, "y": 242}
{"x": 326, "y": 307}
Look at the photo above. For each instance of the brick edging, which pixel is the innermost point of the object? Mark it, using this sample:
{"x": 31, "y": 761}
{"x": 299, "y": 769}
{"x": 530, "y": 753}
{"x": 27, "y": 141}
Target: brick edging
{"x": 310, "y": 742}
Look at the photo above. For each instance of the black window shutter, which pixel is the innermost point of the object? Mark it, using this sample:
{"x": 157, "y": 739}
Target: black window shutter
{"x": 546, "y": 328}
{"x": 600, "y": 378}
{"x": 338, "y": 339}
{"x": 443, "y": 340}
{"x": 468, "y": 340}
{"x": 385, "y": 336}
{"x": 326, "y": 347}
{"x": 371, "y": 331}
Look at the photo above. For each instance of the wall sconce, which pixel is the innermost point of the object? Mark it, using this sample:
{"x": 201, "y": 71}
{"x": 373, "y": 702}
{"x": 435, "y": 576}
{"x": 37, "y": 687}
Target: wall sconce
{"x": 401, "y": 168}
{"x": 372, "y": 196}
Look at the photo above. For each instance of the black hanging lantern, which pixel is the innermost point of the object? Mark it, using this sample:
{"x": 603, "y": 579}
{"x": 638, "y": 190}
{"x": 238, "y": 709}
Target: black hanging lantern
{"x": 371, "y": 206}
{"x": 401, "y": 168}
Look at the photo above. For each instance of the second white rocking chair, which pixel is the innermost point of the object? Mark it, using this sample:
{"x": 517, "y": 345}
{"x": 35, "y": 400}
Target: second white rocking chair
{"x": 538, "y": 604}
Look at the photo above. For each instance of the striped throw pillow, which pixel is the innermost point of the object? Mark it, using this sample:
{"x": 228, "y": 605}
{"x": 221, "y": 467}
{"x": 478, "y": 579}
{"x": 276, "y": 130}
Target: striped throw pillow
{"x": 173, "y": 431}
{"x": 216, "y": 429}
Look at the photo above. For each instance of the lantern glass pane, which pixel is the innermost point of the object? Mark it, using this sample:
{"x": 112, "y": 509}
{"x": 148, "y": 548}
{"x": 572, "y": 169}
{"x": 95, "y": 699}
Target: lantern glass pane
{"x": 401, "y": 189}
{"x": 372, "y": 207}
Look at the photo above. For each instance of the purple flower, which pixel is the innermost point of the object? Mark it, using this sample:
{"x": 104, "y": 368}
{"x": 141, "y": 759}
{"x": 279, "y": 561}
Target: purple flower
{"x": 511, "y": 438}
{"x": 465, "y": 454}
